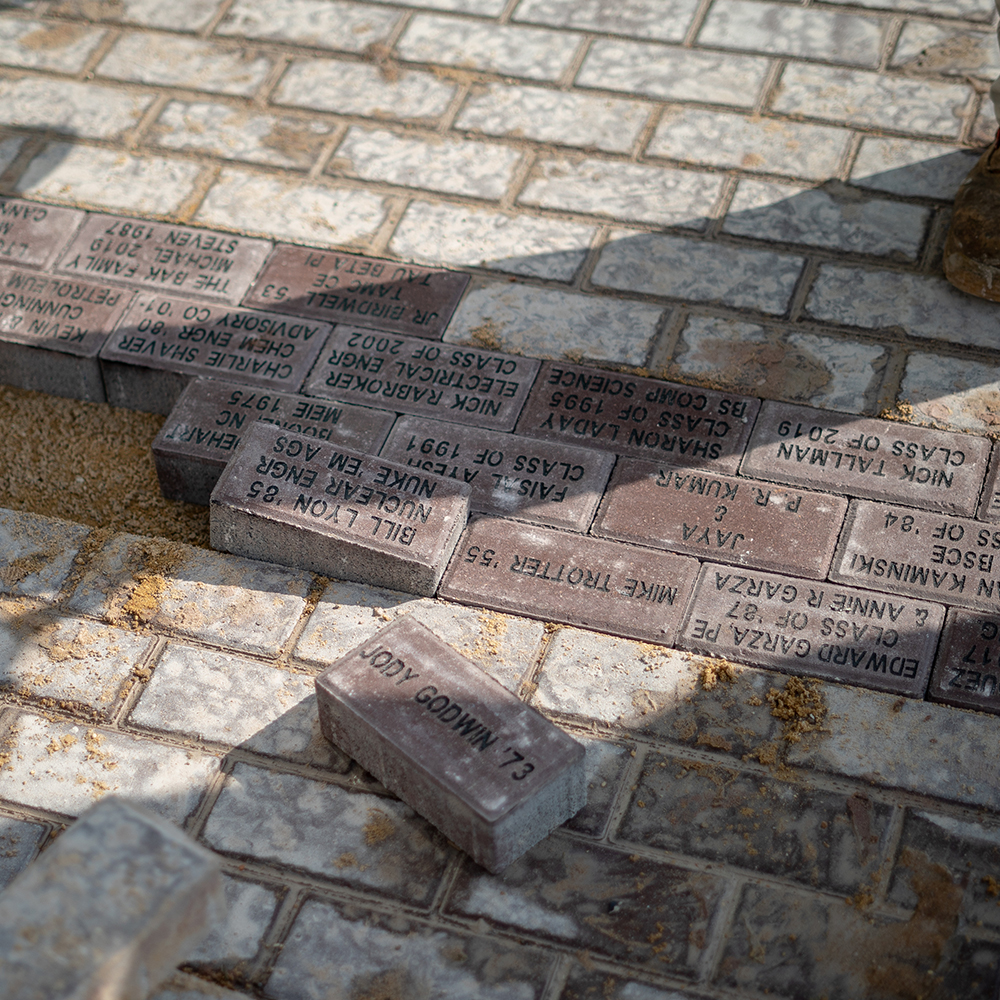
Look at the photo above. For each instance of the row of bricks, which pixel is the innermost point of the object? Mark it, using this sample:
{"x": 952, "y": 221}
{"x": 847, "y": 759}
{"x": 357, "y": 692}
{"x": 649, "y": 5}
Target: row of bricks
{"x": 653, "y": 787}
{"x": 507, "y": 49}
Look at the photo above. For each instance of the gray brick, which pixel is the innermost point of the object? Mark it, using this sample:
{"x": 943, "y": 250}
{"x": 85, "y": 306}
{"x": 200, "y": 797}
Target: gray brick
{"x": 626, "y": 191}
{"x": 573, "y": 119}
{"x": 487, "y": 8}
{"x": 353, "y": 838}
{"x": 665, "y": 22}
{"x": 797, "y": 946}
{"x": 974, "y": 10}
{"x": 331, "y": 24}
{"x": 462, "y": 167}
{"x": 66, "y": 661}
{"x": 362, "y": 89}
{"x": 605, "y": 765}
{"x": 178, "y": 15}
{"x": 807, "y": 33}
{"x": 984, "y": 128}
{"x": 828, "y": 372}
{"x": 18, "y": 845}
{"x": 921, "y": 305}
{"x": 957, "y": 393}
{"x": 335, "y": 949}
{"x": 659, "y": 922}
{"x": 461, "y": 236}
{"x": 534, "y": 53}
{"x": 237, "y": 939}
{"x": 184, "y": 62}
{"x": 697, "y": 271}
{"x": 185, "y": 987}
{"x": 833, "y": 219}
{"x": 107, "y": 178}
{"x": 349, "y": 613}
{"x": 753, "y": 144}
{"x": 86, "y": 110}
{"x": 924, "y": 47}
{"x": 209, "y": 596}
{"x": 36, "y": 553}
{"x": 323, "y": 214}
{"x": 64, "y": 767}
{"x": 522, "y": 319}
{"x": 673, "y": 74}
{"x": 239, "y": 134}
{"x": 921, "y": 169}
{"x": 824, "y": 839}
{"x": 9, "y": 148}
{"x": 858, "y": 98}
{"x": 52, "y": 45}
{"x": 592, "y": 983}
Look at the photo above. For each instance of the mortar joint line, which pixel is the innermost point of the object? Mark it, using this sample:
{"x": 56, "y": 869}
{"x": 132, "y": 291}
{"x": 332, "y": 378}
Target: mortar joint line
{"x": 519, "y": 177}
{"x": 272, "y": 941}
{"x": 848, "y": 156}
{"x": 505, "y": 15}
{"x": 890, "y": 39}
{"x": 148, "y": 662}
{"x": 667, "y": 340}
{"x": 206, "y": 178}
{"x": 602, "y": 233}
{"x": 559, "y": 972}
{"x": 217, "y": 18}
{"x": 262, "y": 96}
{"x": 397, "y": 206}
{"x": 696, "y": 24}
{"x": 716, "y": 215}
{"x": 720, "y": 928}
{"x": 569, "y": 74}
{"x": 136, "y": 137}
{"x": 645, "y": 135}
{"x": 447, "y": 120}
{"x": 392, "y": 39}
{"x": 891, "y": 839}
{"x": 803, "y": 286}
{"x": 89, "y": 68}
{"x": 769, "y": 87}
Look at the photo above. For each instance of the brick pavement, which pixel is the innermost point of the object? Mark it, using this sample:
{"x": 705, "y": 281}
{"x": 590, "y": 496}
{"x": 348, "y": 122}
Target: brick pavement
{"x": 749, "y": 194}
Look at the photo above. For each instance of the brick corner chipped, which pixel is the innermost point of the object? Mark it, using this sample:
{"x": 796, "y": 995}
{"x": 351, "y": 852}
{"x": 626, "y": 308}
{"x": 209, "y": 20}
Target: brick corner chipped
{"x": 486, "y": 769}
{"x": 291, "y": 499}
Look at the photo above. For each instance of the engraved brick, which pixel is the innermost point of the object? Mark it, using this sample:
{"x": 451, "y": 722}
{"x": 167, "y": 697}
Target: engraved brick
{"x": 206, "y": 425}
{"x": 52, "y": 329}
{"x": 817, "y": 629}
{"x": 109, "y": 909}
{"x": 365, "y": 291}
{"x": 866, "y": 457}
{"x": 967, "y": 669}
{"x": 510, "y": 476}
{"x": 31, "y": 234}
{"x": 560, "y": 577}
{"x": 989, "y": 502}
{"x": 920, "y": 553}
{"x": 290, "y": 499}
{"x": 638, "y": 417}
{"x": 159, "y": 256}
{"x": 460, "y": 384}
{"x": 740, "y": 521}
{"x": 163, "y": 343}
{"x": 487, "y": 770}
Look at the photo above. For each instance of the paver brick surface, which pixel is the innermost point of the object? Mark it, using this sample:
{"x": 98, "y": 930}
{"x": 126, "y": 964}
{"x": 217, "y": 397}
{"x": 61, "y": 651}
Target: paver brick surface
{"x": 36, "y": 553}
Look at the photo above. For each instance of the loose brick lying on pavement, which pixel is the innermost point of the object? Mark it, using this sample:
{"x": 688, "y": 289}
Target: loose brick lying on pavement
{"x": 867, "y": 457}
{"x": 205, "y": 427}
{"x": 639, "y": 417}
{"x": 510, "y": 476}
{"x": 109, "y": 909}
{"x": 697, "y": 271}
{"x": 31, "y": 235}
{"x": 52, "y": 330}
{"x": 562, "y": 577}
{"x": 742, "y": 521}
{"x": 354, "y": 838}
{"x": 799, "y": 627}
{"x": 819, "y": 838}
{"x": 64, "y": 767}
{"x": 54, "y": 660}
{"x": 208, "y": 596}
{"x": 465, "y": 385}
{"x": 278, "y": 500}
{"x": 36, "y": 553}
{"x": 660, "y": 923}
{"x": 159, "y": 256}
{"x": 333, "y": 946}
{"x": 967, "y": 669}
{"x": 459, "y": 782}
{"x": 162, "y": 343}
{"x": 365, "y": 291}
{"x": 922, "y": 554}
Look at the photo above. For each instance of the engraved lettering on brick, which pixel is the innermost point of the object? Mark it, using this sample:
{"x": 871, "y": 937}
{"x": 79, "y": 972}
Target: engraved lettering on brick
{"x": 460, "y": 384}
{"x": 862, "y": 456}
{"x": 967, "y": 671}
{"x": 31, "y": 234}
{"x": 705, "y": 514}
{"x": 363, "y": 291}
{"x": 639, "y": 417}
{"x": 544, "y": 573}
{"x": 806, "y": 627}
{"x": 178, "y": 260}
{"x": 510, "y": 475}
